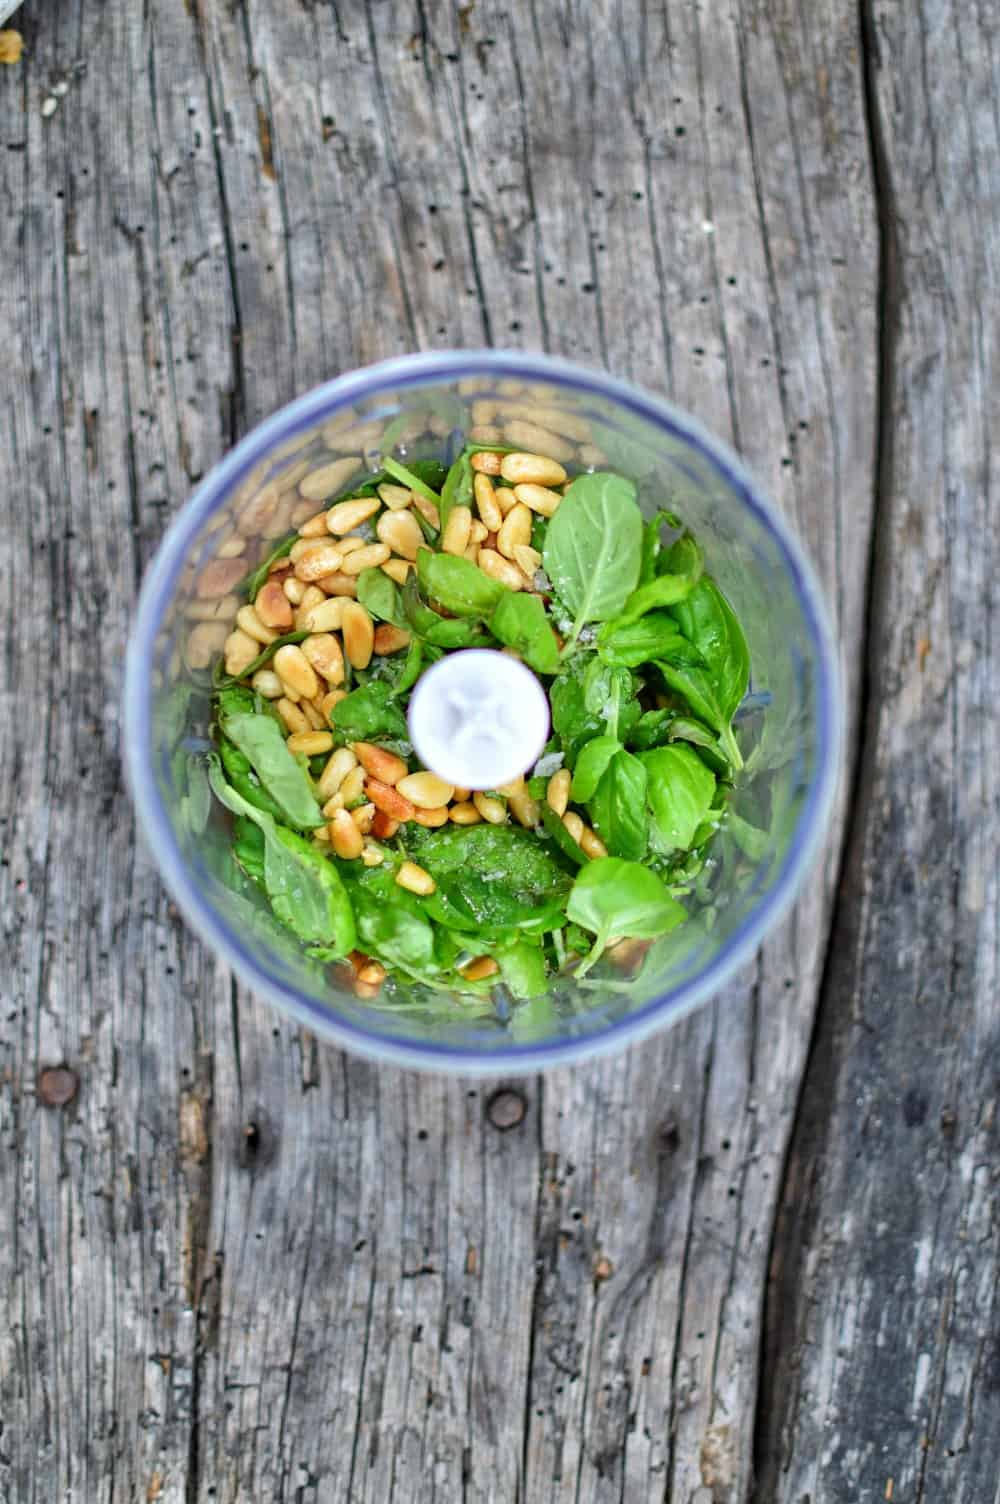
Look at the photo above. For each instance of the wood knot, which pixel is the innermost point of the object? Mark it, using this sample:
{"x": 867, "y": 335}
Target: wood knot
{"x": 668, "y": 1136}
{"x": 506, "y": 1109}
{"x": 57, "y": 1086}
{"x": 258, "y": 1143}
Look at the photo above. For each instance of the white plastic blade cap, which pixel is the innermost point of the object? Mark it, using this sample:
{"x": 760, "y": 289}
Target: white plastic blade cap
{"x": 478, "y": 719}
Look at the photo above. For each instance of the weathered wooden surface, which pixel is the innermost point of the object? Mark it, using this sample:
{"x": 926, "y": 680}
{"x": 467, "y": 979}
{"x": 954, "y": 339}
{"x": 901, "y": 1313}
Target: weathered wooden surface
{"x": 240, "y": 1265}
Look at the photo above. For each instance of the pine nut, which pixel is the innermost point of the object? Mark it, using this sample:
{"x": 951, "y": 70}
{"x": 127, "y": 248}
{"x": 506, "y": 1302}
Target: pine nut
{"x": 552, "y": 420}
{"x": 396, "y": 498}
{"x": 203, "y": 643}
{"x": 486, "y": 502}
{"x": 538, "y": 441}
{"x": 373, "y": 974}
{"x": 456, "y": 532}
{"x": 499, "y": 568}
{"x": 425, "y": 790}
{"x": 516, "y": 530}
{"x": 279, "y": 522}
{"x": 432, "y": 817}
{"x": 574, "y": 825}
{"x": 310, "y": 743}
{"x": 505, "y": 499}
{"x": 240, "y": 651}
{"x": 321, "y": 836}
{"x": 325, "y": 482}
{"x": 347, "y": 515}
{"x": 472, "y": 553}
{"x": 461, "y": 795}
{"x": 480, "y": 969}
{"x": 312, "y": 597}
{"x": 292, "y": 716}
{"x": 390, "y": 639}
{"x": 358, "y": 633}
{"x": 591, "y": 844}
{"x": 313, "y": 714}
{"x": 366, "y": 558}
{"x": 325, "y": 616}
{"x": 479, "y": 532}
{"x": 363, "y": 817}
{"x": 298, "y": 548}
{"x": 293, "y": 667}
{"x": 218, "y": 578}
{"x": 539, "y": 498}
{"x": 345, "y": 837}
{"x": 524, "y": 809}
{"x": 485, "y": 433}
{"x": 334, "y": 429}
{"x": 592, "y": 457}
{"x": 366, "y": 991}
{"x": 397, "y": 569}
{"x": 339, "y": 584}
{"x": 527, "y": 559}
{"x": 557, "y": 791}
{"x": 323, "y": 652}
{"x": 224, "y": 609}
{"x": 328, "y": 701}
{"x": 293, "y": 591}
{"x": 372, "y": 856}
{"x": 415, "y": 880}
{"x": 483, "y": 411}
{"x": 464, "y": 813}
{"x": 427, "y": 510}
{"x": 401, "y": 531}
{"x": 314, "y": 526}
{"x": 254, "y": 514}
{"x": 384, "y": 826}
{"x": 492, "y": 810}
{"x": 531, "y": 469}
{"x": 339, "y": 764}
{"x": 317, "y": 560}
{"x": 251, "y": 624}
{"x": 383, "y": 765}
{"x": 486, "y": 462}
{"x": 267, "y": 684}
{"x": 350, "y": 544}
{"x": 385, "y": 798}
{"x": 352, "y": 790}
{"x": 232, "y": 548}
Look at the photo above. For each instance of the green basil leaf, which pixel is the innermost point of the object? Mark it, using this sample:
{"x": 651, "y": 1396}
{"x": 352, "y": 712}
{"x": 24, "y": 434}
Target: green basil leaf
{"x": 392, "y": 930}
{"x": 412, "y": 480}
{"x": 591, "y": 763}
{"x": 369, "y": 713}
{"x": 656, "y": 635}
{"x": 500, "y": 876}
{"x": 520, "y": 621}
{"x": 651, "y": 730}
{"x": 652, "y": 548}
{"x": 260, "y": 740}
{"x": 411, "y": 668}
{"x": 248, "y": 848}
{"x": 572, "y": 722}
{"x": 613, "y": 899}
{"x": 593, "y": 548}
{"x": 458, "y": 584}
{"x": 618, "y": 807}
{"x": 698, "y": 687}
{"x": 709, "y": 622}
{"x": 457, "y": 489}
{"x": 683, "y": 557}
{"x": 752, "y": 841}
{"x": 380, "y": 597}
{"x": 244, "y": 780}
{"x": 523, "y": 970}
{"x": 680, "y": 793}
{"x": 255, "y": 579}
{"x": 561, "y": 836}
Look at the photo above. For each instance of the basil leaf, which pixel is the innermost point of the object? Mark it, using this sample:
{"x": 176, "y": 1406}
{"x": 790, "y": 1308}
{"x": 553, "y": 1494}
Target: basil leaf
{"x": 498, "y": 875}
{"x": 710, "y": 623}
{"x": 593, "y": 548}
{"x": 557, "y": 830}
{"x": 752, "y": 842}
{"x": 591, "y": 763}
{"x": 613, "y": 898}
{"x": 519, "y": 621}
{"x": 256, "y": 578}
{"x": 244, "y": 780}
{"x": 651, "y": 730}
{"x": 380, "y": 597}
{"x": 411, "y": 480}
{"x": 572, "y": 722}
{"x": 457, "y": 584}
{"x": 523, "y": 970}
{"x": 656, "y": 635}
{"x": 680, "y": 792}
{"x": 618, "y": 808}
{"x": 393, "y": 930}
{"x": 368, "y": 713}
{"x": 260, "y": 740}
{"x": 698, "y": 687}
{"x": 411, "y": 668}
{"x": 651, "y": 546}
{"x": 683, "y": 557}
{"x": 457, "y": 488}
{"x": 248, "y": 848}
{"x": 665, "y": 590}
{"x": 439, "y": 631}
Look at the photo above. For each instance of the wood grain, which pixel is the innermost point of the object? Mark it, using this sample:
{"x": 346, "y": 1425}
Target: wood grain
{"x": 240, "y": 1264}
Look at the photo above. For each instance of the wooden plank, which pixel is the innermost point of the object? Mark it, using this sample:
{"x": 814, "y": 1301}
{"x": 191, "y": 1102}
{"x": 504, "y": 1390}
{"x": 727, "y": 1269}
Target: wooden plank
{"x": 239, "y": 1269}
{"x": 885, "y": 1367}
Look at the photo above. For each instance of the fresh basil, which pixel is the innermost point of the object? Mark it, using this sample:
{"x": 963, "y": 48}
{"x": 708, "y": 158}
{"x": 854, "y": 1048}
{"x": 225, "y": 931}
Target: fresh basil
{"x": 656, "y": 635}
{"x": 412, "y": 480}
{"x": 591, "y": 763}
{"x": 613, "y": 899}
{"x": 522, "y": 968}
{"x": 380, "y": 597}
{"x": 593, "y": 548}
{"x": 369, "y": 713}
{"x": 698, "y": 687}
{"x": 520, "y": 621}
{"x": 554, "y": 827}
{"x": 680, "y": 792}
{"x": 239, "y": 771}
{"x": 260, "y": 739}
{"x": 457, "y": 488}
{"x": 618, "y": 807}
{"x": 457, "y": 584}
{"x": 572, "y": 722}
{"x": 709, "y": 622}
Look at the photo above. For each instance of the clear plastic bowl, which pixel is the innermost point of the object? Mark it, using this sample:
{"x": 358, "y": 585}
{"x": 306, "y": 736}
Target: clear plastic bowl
{"x": 789, "y": 725}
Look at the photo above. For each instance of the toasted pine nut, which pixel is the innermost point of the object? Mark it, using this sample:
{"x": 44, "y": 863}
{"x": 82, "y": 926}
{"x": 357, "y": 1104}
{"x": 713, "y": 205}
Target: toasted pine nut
{"x": 383, "y": 765}
{"x": 337, "y": 768}
{"x": 485, "y": 433}
{"x": 251, "y": 624}
{"x": 401, "y": 531}
{"x": 321, "y": 836}
{"x": 483, "y": 411}
{"x": 314, "y": 526}
{"x": 325, "y": 482}
{"x": 351, "y": 544}
{"x": 390, "y": 639}
{"x": 557, "y": 791}
{"x": 538, "y": 441}
{"x": 385, "y": 798}
{"x": 479, "y": 532}
{"x": 347, "y": 515}
{"x": 456, "y": 533}
{"x": 516, "y": 530}
{"x": 396, "y": 498}
{"x": 499, "y": 568}
{"x": 295, "y": 721}
{"x": 293, "y": 591}
{"x": 324, "y": 653}
{"x": 574, "y": 825}
{"x": 346, "y": 838}
{"x": 427, "y": 510}
{"x": 328, "y": 701}
{"x": 531, "y": 469}
{"x": 472, "y": 552}
{"x": 366, "y": 991}
{"x": 232, "y": 548}
{"x": 218, "y": 578}
{"x": 460, "y": 794}
{"x": 352, "y": 790}
{"x": 335, "y": 802}
{"x": 527, "y": 559}
{"x": 592, "y": 457}
{"x": 203, "y": 643}
{"x": 480, "y": 969}
{"x": 415, "y": 880}
{"x": 325, "y": 616}
{"x": 267, "y": 684}
{"x": 425, "y": 790}
{"x": 374, "y": 973}
{"x": 486, "y": 502}
{"x": 312, "y": 597}
{"x": 539, "y": 498}
{"x": 464, "y": 813}
{"x": 492, "y": 810}
{"x": 372, "y": 855}
{"x": 591, "y": 844}
{"x": 514, "y": 787}
{"x": 363, "y": 816}
{"x": 311, "y": 743}
{"x": 224, "y": 609}
{"x": 432, "y": 817}
{"x": 240, "y": 651}
{"x": 317, "y": 560}
{"x": 505, "y": 499}
{"x": 384, "y": 826}
{"x": 339, "y": 584}
{"x": 546, "y": 420}
{"x": 366, "y": 558}
{"x": 313, "y": 714}
{"x": 293, "y": 667}
{"x": 486, "y": 462}
{"x": 524, "y": 809}
{"x": 254, "y": 514}
{"x": 279, "y": 521}
{"x": 397, "y": 569}
{"x": 298, "y": 548}
{"x": 359, "y": 634}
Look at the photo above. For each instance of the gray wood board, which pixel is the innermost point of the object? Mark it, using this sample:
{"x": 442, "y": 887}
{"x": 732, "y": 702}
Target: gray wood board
{"x": 374, "y": 1294}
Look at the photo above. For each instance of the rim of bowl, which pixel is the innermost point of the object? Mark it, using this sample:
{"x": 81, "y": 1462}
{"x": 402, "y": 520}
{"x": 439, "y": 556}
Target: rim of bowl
{"x": 157, "y": 590}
